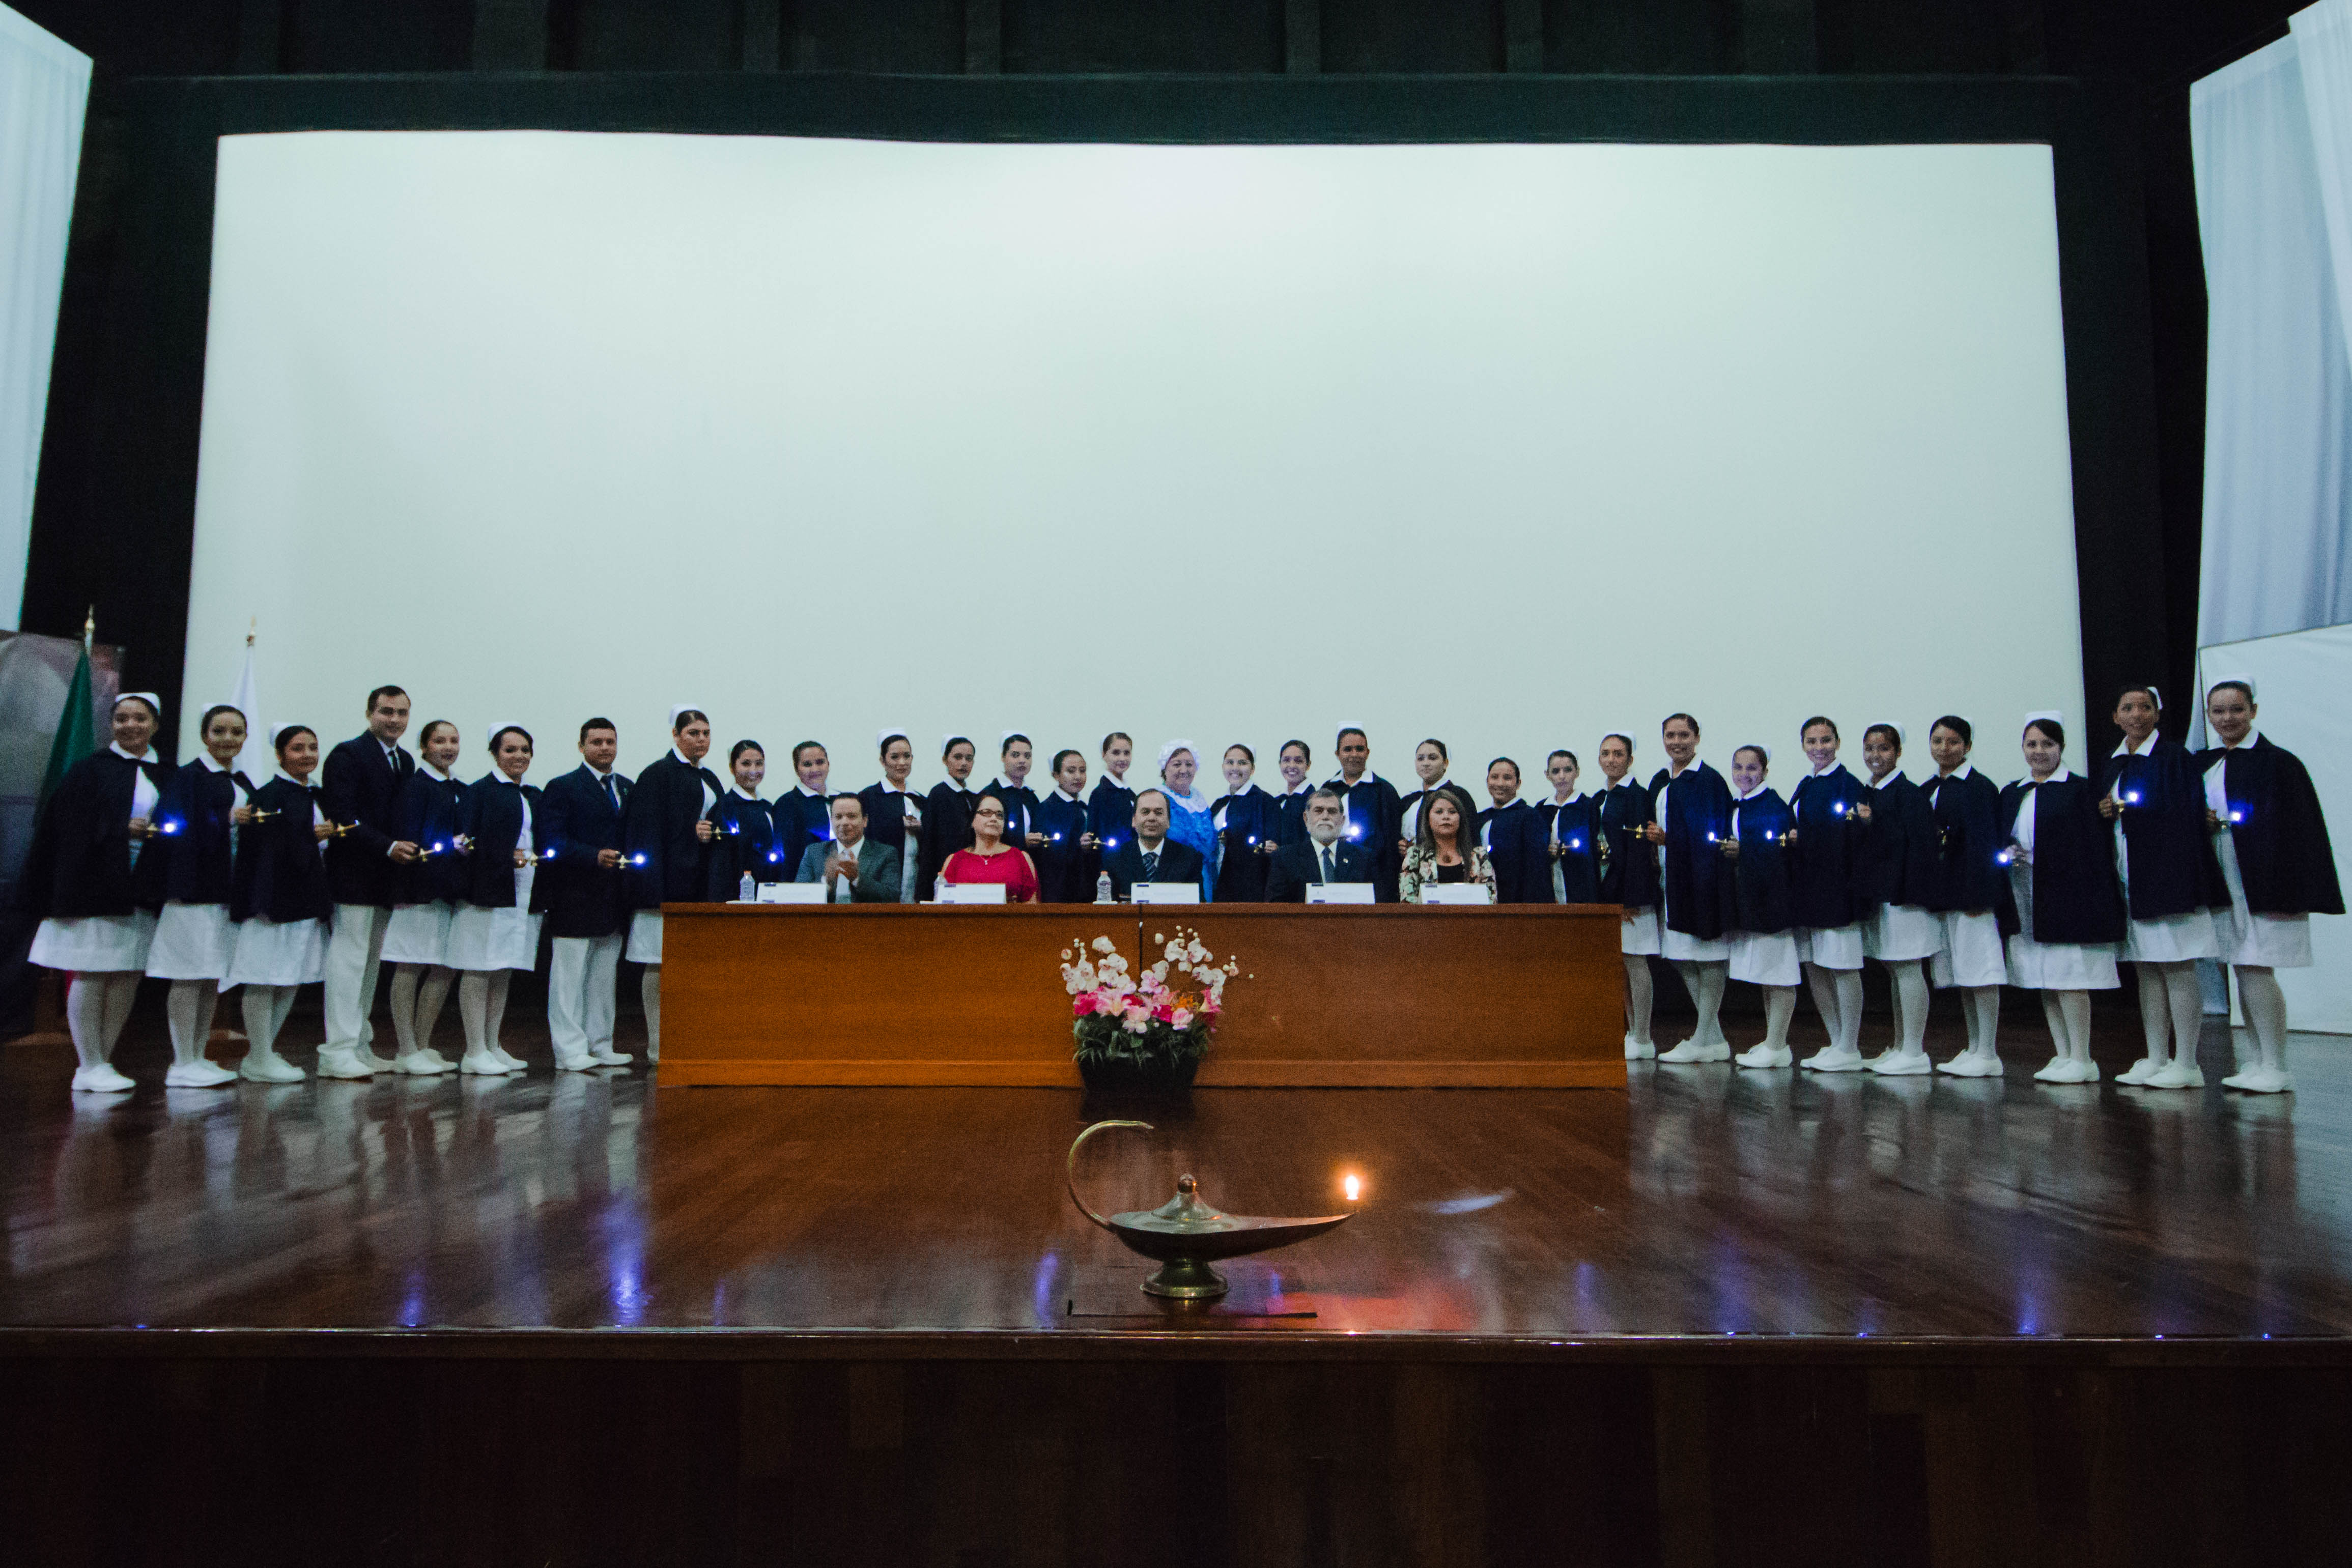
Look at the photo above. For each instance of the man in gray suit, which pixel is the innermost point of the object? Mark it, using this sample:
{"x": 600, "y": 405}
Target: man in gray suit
{"x": 853, "y": 867}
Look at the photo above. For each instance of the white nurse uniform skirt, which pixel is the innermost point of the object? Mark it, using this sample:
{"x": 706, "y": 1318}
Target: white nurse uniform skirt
{"x": 1638, "y": 937}
{"x": 269, "y": 954}
{"x": 1900, "y": 931}
{"x": 2053, "y": 966}
{"x": 418, "y": 934}
{"x": 645, "y": 938}
{"x": 2167, "y": 938}
{"x": 193, "y": 942}
{"x": 2259, "y": 941}
{"x": 1681, "y": 948}
{"x": 1832, "y": 947}
{"x": 483, "y": 939}
{"x": 1765, "y": 957}
{"x": 94, "y": 943}
{"x": 1972, "y": 950}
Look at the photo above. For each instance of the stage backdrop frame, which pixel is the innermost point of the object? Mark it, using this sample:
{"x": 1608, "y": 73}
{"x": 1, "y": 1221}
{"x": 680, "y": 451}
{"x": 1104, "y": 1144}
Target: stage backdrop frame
{"x": 114, "y": 516}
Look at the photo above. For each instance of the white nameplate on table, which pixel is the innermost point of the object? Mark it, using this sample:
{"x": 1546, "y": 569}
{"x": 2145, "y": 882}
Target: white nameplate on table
{"x": 973, "y": 893}
{"x": 1474, "y": 892}
{"x": 1166, "y": 892}
{"x": 791, "y": 892}
{"x": 1338, "y": 892}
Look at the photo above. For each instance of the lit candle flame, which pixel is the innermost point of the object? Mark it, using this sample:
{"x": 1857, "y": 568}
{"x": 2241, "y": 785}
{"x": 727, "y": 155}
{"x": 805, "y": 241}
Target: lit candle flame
{"x": 1354, "y": 1187}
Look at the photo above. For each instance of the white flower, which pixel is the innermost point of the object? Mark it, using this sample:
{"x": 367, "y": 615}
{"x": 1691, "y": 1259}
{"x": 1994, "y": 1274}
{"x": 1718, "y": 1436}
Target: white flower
{"x": 1195, "y": 952}
{"x": 1102, "y": 944}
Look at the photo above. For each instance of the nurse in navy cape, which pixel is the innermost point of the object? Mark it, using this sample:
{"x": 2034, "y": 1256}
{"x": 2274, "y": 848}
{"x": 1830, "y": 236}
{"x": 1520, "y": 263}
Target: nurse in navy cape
{"x": 1693, "y": 808}
{"x": 198, "y": 820}
{"x": 1629, "y": 879}
{"x": 2271, "y": 839}
{"x": 1762, "y": 909}
{"x": 1247, "y": 823}
{"x": 1375, "y": 811}
{"x": 1511, "y": 832}
{"x": 1070, "y": 858}
{"x": 2153, "y": 795}
{"x": 429, "y": 812}
{"x": 946, "y": 814}
{"x": 802, "y": 811}
{"x": 744, "y": 829}
{"x": 2064, "y": 911}
{"x": 1822, "y": 872}
{"x": 1897, "y": 880}
{"x": 96, "y": 889}
{"x": 280, "y": 897}
{"x": 1294, "y": 762}
{"x": 1970, "y": 882}
{"x": 496, "y": 931}
{"x": 1569, "y": 838}
{"x": 894, "y": 813}
{"x": 666, "y": 839}
{"x": 1112, "y": 804}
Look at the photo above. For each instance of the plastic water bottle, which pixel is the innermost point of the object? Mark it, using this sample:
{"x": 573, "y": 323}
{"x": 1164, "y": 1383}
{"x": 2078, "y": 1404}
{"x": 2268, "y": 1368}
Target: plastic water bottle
{"x": 747, "y": 890}
{"x": 1102, "y": 889}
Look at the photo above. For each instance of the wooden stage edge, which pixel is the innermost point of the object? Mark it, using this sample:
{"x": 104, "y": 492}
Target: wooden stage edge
{"x": 1214, "y": 1074}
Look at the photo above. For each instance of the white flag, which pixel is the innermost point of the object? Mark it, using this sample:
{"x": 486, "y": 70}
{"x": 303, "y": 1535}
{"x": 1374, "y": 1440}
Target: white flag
{"x": 257, "y": 761}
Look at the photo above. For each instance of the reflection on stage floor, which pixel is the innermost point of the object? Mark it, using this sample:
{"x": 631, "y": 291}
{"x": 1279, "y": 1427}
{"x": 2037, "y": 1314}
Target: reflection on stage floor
{"x": 1702, "y": 1202}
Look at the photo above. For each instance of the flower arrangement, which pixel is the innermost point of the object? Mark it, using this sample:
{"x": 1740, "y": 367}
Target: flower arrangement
{"x": 1153, "y": 1028}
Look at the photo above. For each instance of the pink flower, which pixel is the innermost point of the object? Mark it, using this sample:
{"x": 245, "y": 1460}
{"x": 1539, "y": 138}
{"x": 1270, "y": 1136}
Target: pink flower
{"x": 1136, "y": 1013}
{"x": 1182, "y": 1018}
{"x": 1083, "y": 1004}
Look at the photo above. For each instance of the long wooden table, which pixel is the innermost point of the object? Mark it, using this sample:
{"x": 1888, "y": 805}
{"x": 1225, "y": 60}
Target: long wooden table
{"x": 1331, "y": 996}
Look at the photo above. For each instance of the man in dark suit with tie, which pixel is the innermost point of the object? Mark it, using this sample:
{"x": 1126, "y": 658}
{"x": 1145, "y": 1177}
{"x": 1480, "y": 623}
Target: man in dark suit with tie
{"x": 359, "y": 791}
{"x": 1323, "y": 856}
{"x": 1149, "y": 854}
{"x": 854, "y": 868}
{"x": 579, "y": 890}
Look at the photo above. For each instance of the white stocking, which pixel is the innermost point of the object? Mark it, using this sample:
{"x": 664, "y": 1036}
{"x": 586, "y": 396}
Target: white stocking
{"x": 403, "y": 1007}
{"x": 1910, "y": 987}
{"x": 2053, "y": 1013}
{"x": 1984, "y": 1019}
{"x": 2265, "y": 1008}
{"x": 264, "y": 1016}
{"x": 2074, "y": 1007}
{"x": 189, "y": 1008}
{"x": 481, "y": 1003}
{"x": 2187, "y": 1005}
{"x": 86, "y": 1018}
{"x": 1640, "y": 998}
{"x": 649, "y": 987}
{"x": 432, "y": 994}
{"x": 1849, "y": 995}
{"x": 2154, "y": 1018}
{"x": 1705, "y": 980}
{"x": 1780, "y": 1008}
{"x": 1823, "y": 984}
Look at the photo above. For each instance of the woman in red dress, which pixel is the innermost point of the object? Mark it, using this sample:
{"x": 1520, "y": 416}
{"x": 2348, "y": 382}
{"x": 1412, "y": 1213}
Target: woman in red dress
{"x": 991, "y": 859}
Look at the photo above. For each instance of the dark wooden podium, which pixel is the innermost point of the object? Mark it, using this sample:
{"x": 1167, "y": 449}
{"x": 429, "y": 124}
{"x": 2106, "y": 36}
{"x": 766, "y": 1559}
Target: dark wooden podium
{"x": 1527, "y": 997}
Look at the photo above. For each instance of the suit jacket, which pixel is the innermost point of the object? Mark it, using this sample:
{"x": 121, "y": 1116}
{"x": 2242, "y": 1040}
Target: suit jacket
{"x": 877, "y": 871}
{"x": 574, "y": 818}
{"x": 1297, "y": 867}
{"x": 359, "y": 786}
{"x": 1179, "y": 863}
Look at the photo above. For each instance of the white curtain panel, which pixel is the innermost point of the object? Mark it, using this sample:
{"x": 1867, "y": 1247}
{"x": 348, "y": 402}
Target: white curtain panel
{"x": 2278, "y": 390}
{"x": 44, "y": 89}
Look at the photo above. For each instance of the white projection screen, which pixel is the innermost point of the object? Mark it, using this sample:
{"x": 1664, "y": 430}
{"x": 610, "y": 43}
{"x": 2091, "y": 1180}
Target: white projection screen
{"x": 1510, "y": 445}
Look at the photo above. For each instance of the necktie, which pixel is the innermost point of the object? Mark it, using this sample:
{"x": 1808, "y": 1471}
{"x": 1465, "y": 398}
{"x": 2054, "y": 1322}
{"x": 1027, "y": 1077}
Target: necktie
{"x": 1329, "y": 874}
{"x": 1151, "y": 865}
{"x": 613, "y": 792}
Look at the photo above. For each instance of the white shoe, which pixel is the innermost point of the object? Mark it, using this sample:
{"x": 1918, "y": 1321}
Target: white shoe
{"x": 2061, "y": 1070}
{"x": 2259, "y": 1080}
{"x": 482, "y": 1064}
{"x": 1835, "y": 1058}
{"x": 1971, "y": 1064}
{"x": 579, "y": 1063}
{"x": 1639, "y": 1050}
{"x": 197, "y": 1075}
{"x": 343, "y": 1062}
{"x": 608, "y": 1057}
{"x": 101, "y": 1079}
{"x": 270, "y": 1069}
{"x": 370, "y": 1059}
{"x": 1900, "y": 1063}
{"x": 2175, "y": 1074}
{"x": 423, "y": 1063}
{"x": 513, "y": 1061}
{"x": 2138, "y": 1072}
{"x": 1691, "y": 1051}
{"x": 1765, "y": 1056}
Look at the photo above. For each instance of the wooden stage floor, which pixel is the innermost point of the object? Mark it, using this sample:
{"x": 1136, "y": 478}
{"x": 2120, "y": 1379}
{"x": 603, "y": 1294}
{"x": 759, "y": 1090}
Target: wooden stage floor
{"x": 1700, "y": 1203}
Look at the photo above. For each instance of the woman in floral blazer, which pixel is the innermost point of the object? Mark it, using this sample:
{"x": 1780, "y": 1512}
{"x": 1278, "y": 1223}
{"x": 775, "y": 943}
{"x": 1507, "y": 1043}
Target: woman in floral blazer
{"x": 1445, "y": 849}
